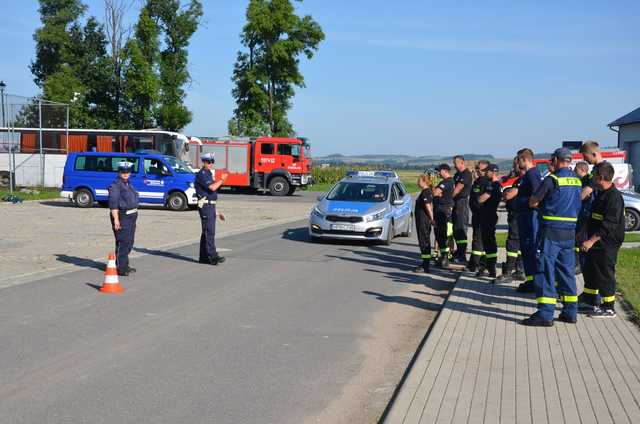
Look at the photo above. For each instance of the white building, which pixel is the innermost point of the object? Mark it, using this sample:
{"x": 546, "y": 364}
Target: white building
{"x": 628, "y": 129}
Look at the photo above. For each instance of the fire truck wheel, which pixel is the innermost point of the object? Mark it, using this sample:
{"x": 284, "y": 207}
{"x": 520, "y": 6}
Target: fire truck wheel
{"x": 177, "y": 201}
{"x": 279, "y": 186}
{"x": 291, "y": 191}
{"x": 83, "y": 198}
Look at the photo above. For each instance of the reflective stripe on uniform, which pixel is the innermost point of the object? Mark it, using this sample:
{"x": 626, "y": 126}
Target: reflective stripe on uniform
{"x": 461, "y": 241}
{"x": 566, "y": 299}
{"x": 547, "y": 300}
{"x": 597, "y": 216}
{"x": 512, "y": 254}
{"x": 591, "y": 291}
{"x": 445, "y": 250}
{"x": 491, "y": 255}
{"x": 425, "y": 256}
{"x": 608, "y": 299}
{"x": 477, "y": 253}
{"x": 559, "y": 218}
{"x": 529, "y": 278}
{"x": 449, "y": 229}
{"x": 567, "y": 181}
{"x": 577, "y": 249}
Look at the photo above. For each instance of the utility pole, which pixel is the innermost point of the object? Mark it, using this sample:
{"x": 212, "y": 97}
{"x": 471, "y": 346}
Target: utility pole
{"x": 2, "y": 87}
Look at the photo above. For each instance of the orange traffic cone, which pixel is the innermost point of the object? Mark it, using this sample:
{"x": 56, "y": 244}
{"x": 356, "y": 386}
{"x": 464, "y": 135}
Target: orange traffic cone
{"x": 111, "y": 283}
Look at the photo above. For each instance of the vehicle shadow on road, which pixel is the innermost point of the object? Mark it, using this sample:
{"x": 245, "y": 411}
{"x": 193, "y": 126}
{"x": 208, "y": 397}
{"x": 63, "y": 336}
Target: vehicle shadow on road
{"x": 301, "y": 234}
{"x": 165, "y": 254}
{"x": 81, "y": 262}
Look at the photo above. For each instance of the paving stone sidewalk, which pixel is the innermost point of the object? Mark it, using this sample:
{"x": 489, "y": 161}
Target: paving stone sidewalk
{"x": 479, "y": 365}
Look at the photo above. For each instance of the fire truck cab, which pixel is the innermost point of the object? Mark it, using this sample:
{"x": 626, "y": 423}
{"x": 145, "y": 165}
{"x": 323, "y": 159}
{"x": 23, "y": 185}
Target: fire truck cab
{"x": 271, "y": 164}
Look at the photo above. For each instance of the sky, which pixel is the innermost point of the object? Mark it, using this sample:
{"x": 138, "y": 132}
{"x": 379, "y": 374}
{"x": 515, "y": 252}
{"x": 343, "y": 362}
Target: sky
{"x": 418, "y": 77}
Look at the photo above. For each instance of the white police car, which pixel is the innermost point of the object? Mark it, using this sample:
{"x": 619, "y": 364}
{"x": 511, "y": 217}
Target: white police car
{"x": 365, "y": 205}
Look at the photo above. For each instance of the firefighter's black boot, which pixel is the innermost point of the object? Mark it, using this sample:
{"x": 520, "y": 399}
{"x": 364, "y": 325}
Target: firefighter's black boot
{"x": 444, "y": 261}
{"x": 507, "y": 270}
{"x": 518, "y": 274}
{"x": 491, "y": 267}
{"x": 578, "y": 269}
{"x": 472, "y": 265}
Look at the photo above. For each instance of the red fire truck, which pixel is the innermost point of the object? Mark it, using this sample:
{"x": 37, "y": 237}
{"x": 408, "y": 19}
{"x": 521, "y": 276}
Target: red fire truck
{"x": 276, "y": 165}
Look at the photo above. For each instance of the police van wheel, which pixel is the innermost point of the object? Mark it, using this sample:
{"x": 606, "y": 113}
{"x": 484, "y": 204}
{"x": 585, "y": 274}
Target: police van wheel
{"x": 177, "y": 202}
{"x": 631, "y": 220}
{"x": 279, "y": 186}
{"x": 387, "y": 241}
{"x": 83, "y": 198}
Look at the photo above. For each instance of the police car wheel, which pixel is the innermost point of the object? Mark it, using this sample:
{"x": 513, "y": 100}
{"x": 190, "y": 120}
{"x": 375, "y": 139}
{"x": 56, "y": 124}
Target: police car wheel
{"x": 177, "y": 202}
{"x": 279, "y": 186}
{"x": 83, "y": 198}
{"x": 387, "y": 241}
{"x": 631, "y": 220}
{"x": 409, "y": 228}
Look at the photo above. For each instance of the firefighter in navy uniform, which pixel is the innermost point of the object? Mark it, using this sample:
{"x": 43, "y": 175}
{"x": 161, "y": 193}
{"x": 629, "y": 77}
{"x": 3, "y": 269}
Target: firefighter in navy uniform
{"x": 207, "y": 192}
{"x": 123, "y": 206}
{"x": 528, "y": 222}
{"x": 476, "y": 261}
{"x": 442, "y": 209}
{"x": 558, "y": 200}
{"x": 424, "y": 220}
{"x": 463, "y": 181}
{"x": 489, "y": 201}
{"x": 603, "y": 236}
{"x": 511, "y": 267}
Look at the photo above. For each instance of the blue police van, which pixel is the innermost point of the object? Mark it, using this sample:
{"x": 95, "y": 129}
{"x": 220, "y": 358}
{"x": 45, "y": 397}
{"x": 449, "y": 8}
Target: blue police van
{"x": 158, "y": 179}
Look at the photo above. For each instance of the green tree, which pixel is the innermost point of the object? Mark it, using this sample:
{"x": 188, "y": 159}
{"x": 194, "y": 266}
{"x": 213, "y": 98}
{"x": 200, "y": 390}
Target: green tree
{"x": 178, "y": 24}
{"x": 141, "y": 82}
{"x": 53, "y": 39}
{"x": 266, "y": 74}
{"x": 71, "y": 64}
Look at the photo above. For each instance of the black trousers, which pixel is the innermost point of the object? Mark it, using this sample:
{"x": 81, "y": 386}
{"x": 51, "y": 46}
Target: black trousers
{"x": 460, "y": 220}
{"x": 423, "y": 229}
{"x": 477, "y": 249}
{"x": 488, "y": 222}
{"x": 207, "y": 238}
{"x": 599, "y": 274}
{"x": 443, "y": 222}
{"x": 124, "y": 238}
{"x": 513, "y": 237}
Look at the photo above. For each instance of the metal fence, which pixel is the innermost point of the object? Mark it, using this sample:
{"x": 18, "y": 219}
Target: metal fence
{"x": 25, "y": 130}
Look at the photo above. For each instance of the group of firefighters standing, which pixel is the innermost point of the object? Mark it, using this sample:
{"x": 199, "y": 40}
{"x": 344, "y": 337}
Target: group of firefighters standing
{"x": 557, "y": 226}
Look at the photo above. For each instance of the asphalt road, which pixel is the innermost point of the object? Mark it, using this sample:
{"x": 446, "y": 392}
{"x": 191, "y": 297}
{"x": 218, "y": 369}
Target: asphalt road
{"x": 285, "y": 331}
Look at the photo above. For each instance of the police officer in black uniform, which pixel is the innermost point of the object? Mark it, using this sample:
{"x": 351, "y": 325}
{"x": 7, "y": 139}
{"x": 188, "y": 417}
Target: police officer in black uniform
{"x": 424, "y": 220}
{"x": 489, "y": 201}
{"x": 123, "y": 205}
{"x": 442, "y": 209}
{"x": 207, "y": 192}
{"x": 463, "y": 181}
{"x": 477, "y": 250}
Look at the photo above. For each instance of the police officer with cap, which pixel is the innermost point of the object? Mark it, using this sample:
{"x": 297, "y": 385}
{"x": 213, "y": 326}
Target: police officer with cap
{"x": 207, "y": 192}
{"x": 442, "y": 209}
{"x": 558, "y": 201}
{"x": 123, "y": 204}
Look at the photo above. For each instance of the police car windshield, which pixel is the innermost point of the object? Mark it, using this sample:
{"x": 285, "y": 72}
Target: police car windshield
{"x": 359, "y": 192}
{"x": 178, "y": 166}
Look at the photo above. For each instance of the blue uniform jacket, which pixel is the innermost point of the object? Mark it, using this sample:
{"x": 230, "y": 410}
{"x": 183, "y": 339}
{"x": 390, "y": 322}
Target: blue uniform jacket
{"x": 122, "y": 195}
{"x": 204, "y": 178}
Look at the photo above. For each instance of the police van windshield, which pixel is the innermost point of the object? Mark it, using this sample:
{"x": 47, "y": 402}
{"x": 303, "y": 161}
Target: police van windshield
{"x": 359, "y": 192}
{"x": 178, "y": 166}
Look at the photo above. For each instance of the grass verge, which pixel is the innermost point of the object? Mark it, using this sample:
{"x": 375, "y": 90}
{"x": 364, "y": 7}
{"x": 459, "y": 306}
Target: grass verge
{"x": 33, "y": 194}
{"x": 627, "y": 271}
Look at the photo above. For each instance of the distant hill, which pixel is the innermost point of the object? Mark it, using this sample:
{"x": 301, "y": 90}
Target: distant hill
{"x": 401, "y": 161}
